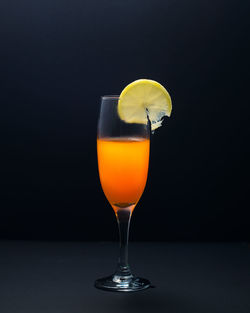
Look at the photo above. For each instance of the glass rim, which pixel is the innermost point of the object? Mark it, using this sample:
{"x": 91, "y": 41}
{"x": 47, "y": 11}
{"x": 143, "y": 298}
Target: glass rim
{"x": 116, "y": 97}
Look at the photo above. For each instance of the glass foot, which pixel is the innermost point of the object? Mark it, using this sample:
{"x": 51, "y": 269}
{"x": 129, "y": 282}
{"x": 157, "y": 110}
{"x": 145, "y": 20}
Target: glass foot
{"x": 122, "y": 283}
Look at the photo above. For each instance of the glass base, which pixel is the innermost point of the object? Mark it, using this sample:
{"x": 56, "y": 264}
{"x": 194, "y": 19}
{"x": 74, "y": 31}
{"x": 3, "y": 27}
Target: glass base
{"x": 122, "y": 283}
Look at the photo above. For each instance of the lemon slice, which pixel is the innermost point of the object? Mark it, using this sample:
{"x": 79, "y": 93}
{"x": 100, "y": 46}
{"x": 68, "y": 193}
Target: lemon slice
{"x": 143, "y": 99}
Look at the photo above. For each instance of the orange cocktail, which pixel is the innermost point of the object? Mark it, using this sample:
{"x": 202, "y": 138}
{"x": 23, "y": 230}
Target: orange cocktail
{"x": 123, "y": 144}
{"x": 123, "y": 169}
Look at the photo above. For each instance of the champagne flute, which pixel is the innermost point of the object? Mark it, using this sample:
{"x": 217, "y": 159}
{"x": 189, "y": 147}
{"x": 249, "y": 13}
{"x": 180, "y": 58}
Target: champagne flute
{"x": 123, "y": 158}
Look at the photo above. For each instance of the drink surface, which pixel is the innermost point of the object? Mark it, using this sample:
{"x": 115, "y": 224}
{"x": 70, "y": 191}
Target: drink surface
{"x": 123, "y": 169}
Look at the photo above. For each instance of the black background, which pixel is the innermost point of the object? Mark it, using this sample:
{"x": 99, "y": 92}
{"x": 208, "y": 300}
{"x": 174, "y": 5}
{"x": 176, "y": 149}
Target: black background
{"x": 58, "y": 57}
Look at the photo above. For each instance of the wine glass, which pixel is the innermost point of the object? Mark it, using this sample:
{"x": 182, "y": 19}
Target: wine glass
{"x": 123, "y": 158}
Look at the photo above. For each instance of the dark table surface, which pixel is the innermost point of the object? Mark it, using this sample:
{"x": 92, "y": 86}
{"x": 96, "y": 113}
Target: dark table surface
{"x": 188, "y": 277}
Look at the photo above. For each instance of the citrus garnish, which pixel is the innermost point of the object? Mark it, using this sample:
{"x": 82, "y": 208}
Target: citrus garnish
{"x": 144, "y": 99}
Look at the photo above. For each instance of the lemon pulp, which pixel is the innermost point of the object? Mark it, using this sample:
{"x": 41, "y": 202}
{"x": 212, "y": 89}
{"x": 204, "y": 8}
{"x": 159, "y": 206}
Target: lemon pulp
{"x": 144, "y": 99}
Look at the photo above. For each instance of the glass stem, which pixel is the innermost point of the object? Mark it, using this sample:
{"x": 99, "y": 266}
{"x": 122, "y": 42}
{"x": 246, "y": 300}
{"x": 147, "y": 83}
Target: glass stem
{"x": 123, "y": 217}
